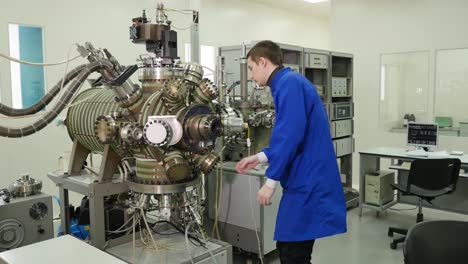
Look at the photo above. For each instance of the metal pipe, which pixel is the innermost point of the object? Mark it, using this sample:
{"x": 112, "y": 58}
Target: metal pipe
{"x": 160, "y": 16}
{"x": 244, "y": 106}
{"x": 220, "y": 64}
{"x": 59, "y": 106}
{"x": 45, "y": 100}
{"x": 243, "y": 74}
{"x": 194, "y": 39}
{"x": 203, "y": 127}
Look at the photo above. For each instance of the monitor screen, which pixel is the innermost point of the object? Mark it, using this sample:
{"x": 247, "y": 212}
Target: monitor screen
{"x": 423, "y": 135}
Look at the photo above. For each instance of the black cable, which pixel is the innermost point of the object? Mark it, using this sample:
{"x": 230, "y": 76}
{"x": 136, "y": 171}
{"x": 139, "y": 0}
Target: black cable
{"x": 177, "y": 228}
{"x": 163, "y": 234}
{"x": 166, "y": 234}
{"x": 190, "y": 236}
{"x": 196, "y": 244}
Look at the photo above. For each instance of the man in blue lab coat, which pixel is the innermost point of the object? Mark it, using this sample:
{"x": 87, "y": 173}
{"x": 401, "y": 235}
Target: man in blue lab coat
{"x": 300, "y": 156}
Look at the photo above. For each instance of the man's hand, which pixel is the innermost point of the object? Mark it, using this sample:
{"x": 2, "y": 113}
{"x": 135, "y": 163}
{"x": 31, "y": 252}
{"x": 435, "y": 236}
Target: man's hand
{"x": 264, "y": 195}
{"x": 247, "y": 164}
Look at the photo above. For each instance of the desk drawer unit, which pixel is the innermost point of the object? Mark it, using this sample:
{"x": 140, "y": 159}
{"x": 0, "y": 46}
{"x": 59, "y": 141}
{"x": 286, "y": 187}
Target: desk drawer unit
{"x": 378, "y": 190}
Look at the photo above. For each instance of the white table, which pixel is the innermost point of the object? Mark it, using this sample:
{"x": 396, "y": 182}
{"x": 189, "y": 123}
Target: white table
{"x": 369, "y": 161}
{"x": 64, "y": 249}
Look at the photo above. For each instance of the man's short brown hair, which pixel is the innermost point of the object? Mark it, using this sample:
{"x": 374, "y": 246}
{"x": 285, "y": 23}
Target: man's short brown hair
{"x": 267, "y": 49}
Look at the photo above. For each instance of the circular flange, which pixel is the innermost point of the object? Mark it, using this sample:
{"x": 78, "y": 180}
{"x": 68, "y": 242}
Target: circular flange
{"x": 164, "y": 189}
{"x": 105, "y": 129}
{"x": 132, "y": 133}
{"x": 25, "y": 187}
{"x": 209, "y": 89}
{"x": 11, "y": 233}
{"x": 193, "y": 73}
{"x": 157, "y": 133}
{"x": 177, "y": 89}
{"x": 159, "y": 73}
{"x": 177, "y": 168}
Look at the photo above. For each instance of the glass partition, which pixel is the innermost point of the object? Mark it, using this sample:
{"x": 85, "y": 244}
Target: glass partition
{"x": 404, "y": 90}
{"x": 451, "y": 92}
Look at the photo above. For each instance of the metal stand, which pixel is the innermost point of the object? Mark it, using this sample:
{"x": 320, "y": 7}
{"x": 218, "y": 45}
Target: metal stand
{"x": 221, "y": 251}
{"x": 87, "y": 185}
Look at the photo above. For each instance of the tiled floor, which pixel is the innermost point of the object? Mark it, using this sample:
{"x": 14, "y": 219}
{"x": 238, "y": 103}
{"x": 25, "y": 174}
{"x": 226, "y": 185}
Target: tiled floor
{"x": 366, "y": 241}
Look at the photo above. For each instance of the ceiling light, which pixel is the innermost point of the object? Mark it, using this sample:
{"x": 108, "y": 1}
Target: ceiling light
{"x": 315, "y": 1}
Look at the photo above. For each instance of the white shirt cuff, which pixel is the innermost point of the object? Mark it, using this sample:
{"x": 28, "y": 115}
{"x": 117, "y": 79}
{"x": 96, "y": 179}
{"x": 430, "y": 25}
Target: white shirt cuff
{"x": 262, "y": 158}
{"x": 271, "y": 183}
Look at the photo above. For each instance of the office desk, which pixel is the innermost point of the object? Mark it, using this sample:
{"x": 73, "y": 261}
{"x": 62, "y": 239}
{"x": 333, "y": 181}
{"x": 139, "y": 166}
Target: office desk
{"x": 369, "y": 161}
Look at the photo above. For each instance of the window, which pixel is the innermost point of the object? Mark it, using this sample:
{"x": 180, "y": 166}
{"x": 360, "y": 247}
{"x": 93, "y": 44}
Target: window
{"x": 207, "y": 58}
{"x": 27, "y": 81}
{"x": 404, "y": 89}
{"x": 451, "y": 92}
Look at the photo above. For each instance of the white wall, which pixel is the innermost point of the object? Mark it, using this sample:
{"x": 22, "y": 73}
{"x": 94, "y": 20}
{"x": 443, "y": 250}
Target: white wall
{"x": 368, "y": 28}
{"x": 229, "y": 22}
{"x": 105, "y": 23}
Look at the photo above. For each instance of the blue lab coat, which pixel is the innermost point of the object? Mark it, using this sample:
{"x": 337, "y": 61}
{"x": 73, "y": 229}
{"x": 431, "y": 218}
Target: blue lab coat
{"x": 302, "y": 158}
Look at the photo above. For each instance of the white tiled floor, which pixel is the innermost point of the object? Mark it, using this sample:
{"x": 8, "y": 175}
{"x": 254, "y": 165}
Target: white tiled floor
{"x": 366, "y": 241}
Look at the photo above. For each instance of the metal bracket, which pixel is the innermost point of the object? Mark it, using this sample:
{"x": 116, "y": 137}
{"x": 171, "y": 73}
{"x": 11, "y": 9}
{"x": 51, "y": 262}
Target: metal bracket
{"x": 77, "y": 158}
{"x": 109, "y": 164}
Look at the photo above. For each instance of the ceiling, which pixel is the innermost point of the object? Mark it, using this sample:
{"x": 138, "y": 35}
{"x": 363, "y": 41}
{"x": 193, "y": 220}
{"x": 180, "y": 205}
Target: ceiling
{"x": 319, "y": 9}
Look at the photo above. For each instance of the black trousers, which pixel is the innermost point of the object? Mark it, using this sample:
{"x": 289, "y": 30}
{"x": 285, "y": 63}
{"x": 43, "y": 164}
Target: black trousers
{"x": 295, "y": 252}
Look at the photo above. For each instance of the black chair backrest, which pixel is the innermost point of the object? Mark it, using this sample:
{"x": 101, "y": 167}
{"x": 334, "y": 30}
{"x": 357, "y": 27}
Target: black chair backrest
{"x": 434, "y": 174}
{"x": 436, "y": 242}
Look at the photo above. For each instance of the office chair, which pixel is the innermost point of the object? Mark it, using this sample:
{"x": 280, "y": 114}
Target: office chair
{"x": 427, "y": 179}
{"x": 436, "y": 242}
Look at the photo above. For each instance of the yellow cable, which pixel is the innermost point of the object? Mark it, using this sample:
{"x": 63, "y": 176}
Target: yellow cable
{"x": 215, "y": 226}
{"x": 37, "y": 64}
{"x": 219, "y": 189}
{"x": 151, "y": 235}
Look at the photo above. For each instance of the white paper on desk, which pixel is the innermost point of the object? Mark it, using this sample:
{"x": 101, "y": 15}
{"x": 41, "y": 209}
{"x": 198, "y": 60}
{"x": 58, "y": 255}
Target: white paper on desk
{"x": 437, "y": 154}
